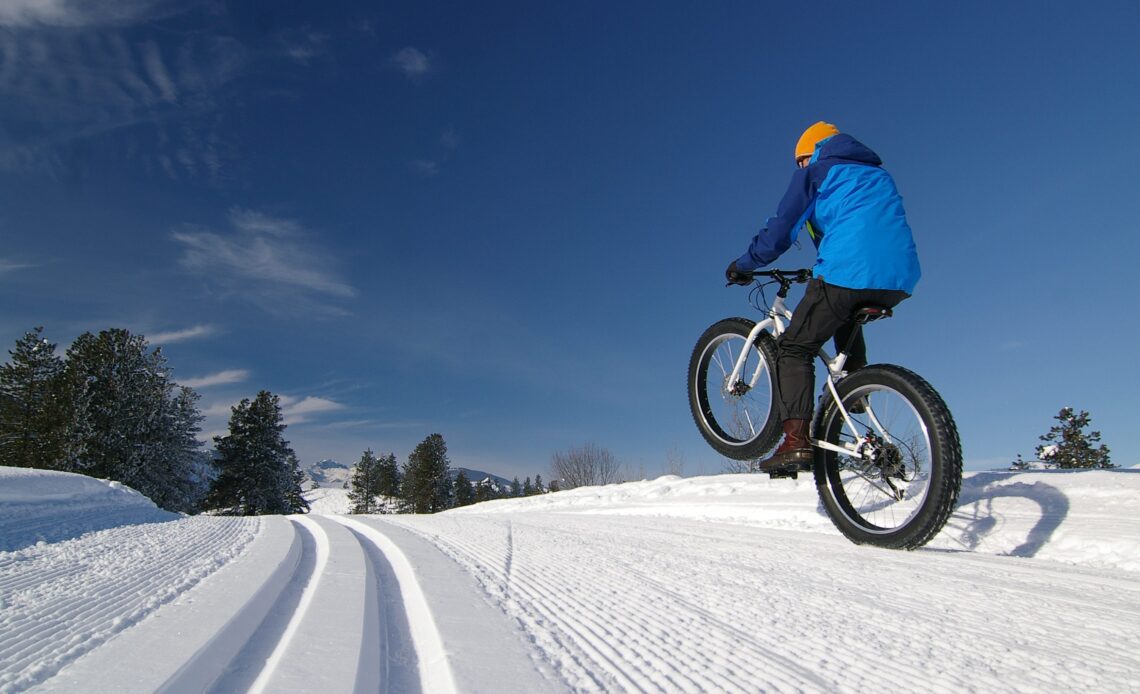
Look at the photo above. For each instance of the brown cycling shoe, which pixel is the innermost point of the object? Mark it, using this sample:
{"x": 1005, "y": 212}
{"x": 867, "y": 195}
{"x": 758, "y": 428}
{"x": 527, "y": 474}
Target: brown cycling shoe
{"x": 794, "y": 451}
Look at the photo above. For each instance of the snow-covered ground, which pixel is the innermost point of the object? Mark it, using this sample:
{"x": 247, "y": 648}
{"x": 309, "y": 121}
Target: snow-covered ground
{"x": 723, "y": 583}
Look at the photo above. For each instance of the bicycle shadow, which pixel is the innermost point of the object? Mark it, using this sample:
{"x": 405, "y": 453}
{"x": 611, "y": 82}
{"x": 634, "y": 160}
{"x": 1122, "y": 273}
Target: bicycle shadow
{"x": 980, "y": 519}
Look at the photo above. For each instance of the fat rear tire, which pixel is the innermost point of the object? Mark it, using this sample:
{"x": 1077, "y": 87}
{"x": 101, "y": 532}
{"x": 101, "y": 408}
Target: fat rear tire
{"x": 931, "y": 442}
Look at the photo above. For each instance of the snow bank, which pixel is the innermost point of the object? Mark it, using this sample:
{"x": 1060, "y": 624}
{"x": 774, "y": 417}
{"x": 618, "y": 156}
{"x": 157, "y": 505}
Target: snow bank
{"x": 1078, "y": 517}
{"x": 331, "y": 501}
{"x": 46, "y": 506}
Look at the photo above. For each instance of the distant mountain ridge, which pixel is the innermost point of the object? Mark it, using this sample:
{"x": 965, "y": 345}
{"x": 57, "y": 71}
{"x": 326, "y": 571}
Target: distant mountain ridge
{"x": 327, "y": 473}
{"x": 501, "y": 484}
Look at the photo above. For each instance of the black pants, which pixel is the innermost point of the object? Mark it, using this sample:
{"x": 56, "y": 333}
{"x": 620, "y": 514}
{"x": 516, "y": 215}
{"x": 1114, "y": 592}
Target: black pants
{"x": 824, "y": 312}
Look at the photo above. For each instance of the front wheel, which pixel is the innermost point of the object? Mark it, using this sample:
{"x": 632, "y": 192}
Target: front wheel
{"x": 738, "y": 418}
{"x": 900, "y": 484}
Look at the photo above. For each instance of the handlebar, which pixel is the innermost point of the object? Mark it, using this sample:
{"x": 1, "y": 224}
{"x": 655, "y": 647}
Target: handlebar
{"x": 786, "y": 278}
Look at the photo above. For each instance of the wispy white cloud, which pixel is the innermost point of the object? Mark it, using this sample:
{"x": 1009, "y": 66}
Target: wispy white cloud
{"x": 413, "y": 63}
{"x": 449, "y": 139}
{"x": 302, "y": 45}
{"x": 218, "y": 409}
{"x": 294, "y": 410}
{"x": 253, "y": 222}
{"x": 182, "y": 335}
{"x": 424, "y": 167}
{"x": 83, "y": 13}
{"x": 448, "y": 142}
{"x": 217, "y": 379}
{"x": 156, "y": 70}
{"x": 7, "y": 266}
{"x": 299, "y": 410}
{"x": 262, "y": 258}
{"x": 374, "y": 424}
{"x": 366, "y": 26}
{"x": 61, "y": 86}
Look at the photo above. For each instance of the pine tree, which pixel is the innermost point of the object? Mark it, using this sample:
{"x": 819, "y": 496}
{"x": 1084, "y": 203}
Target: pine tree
{"x": 427, "y": 487}
{"x": 258, "y": 472}
{"x": 295, "y": 481}
{"x": 464, "y": 490}
{"x": 485, "y": 490}
{"x": 365, "y": 484}
{"x": 388, "y": 471}
{"x": 34, "y": 412}
{"x": 180, "y": 481}
{"x": 129, "y": 421}
{"x": 527, "y": 488}
{"x": 516, "y": 488}
{"x": 538, "y": 488}
{"x": 1067, "y": 446}
{"x": 1021, "y": 464}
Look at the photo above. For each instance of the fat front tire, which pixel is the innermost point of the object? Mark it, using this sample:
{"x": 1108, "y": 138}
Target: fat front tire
{"x": 901, "y": 490}
{"x": 739, "y": 420}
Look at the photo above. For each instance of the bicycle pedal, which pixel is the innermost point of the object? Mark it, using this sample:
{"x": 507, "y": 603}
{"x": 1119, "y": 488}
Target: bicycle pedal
{"x": 792, "y": 471}
{"x": 789, "y": 473}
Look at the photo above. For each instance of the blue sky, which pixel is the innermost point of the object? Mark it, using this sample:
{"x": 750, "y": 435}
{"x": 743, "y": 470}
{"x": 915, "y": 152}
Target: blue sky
{"x": 508, "y": 222}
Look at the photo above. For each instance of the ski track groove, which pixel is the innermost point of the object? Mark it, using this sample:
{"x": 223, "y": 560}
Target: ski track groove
{"x": 384, "y": 629}
{"x": 312, "y": 583}
{"x": 104, "y": 590}
{"x": 433, "y": 665}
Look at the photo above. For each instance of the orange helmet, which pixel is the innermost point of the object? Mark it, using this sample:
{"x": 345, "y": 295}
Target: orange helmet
{"x": 815, "y": 134}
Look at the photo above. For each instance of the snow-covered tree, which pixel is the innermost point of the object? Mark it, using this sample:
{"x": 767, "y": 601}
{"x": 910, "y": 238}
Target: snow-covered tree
{"x": 1068, "y": 446}
{"x": 133, "y": 423}
{"x": 294, "y": 493}
{"x": 180, "y": 481}
{"x": 464, "y": 490}
{"x": 427, "y": 487}
{"x": 258, "y": 472}
{"x": 34, "y": 412}
{"x": 486, "y": 490}
{"x": 365, "y": 484}
{"x": 388, "y": 471}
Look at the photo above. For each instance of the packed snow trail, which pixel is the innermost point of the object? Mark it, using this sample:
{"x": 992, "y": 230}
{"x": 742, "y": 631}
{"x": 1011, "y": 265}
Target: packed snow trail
{"x": 651, "y": 604}
{"x": 60, "y": 601}
{"x": 664, "y": 586}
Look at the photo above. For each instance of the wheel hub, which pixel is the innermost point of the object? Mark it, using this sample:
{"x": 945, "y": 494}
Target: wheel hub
{"x": 887, "y": 457}
{"x": 739, "y": 389}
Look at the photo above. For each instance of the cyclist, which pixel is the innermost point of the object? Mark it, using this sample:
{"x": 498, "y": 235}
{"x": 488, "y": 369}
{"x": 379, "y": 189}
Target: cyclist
{"x": 865, "y": 254}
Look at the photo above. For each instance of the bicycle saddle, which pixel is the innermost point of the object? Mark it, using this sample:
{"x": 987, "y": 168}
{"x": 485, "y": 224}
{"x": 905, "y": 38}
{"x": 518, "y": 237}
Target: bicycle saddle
{"x": 868, "y": 313}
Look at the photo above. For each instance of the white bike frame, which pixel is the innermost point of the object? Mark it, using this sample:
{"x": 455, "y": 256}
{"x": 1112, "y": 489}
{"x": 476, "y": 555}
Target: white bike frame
{"x": 776, "y": 325}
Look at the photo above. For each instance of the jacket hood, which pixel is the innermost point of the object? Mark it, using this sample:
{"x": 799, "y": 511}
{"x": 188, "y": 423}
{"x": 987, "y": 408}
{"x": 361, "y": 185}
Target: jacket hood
{"x": 843, "y": 146}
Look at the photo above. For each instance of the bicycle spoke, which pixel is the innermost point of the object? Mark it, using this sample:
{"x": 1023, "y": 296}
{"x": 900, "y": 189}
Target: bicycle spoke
{"x": 884, "y": 488}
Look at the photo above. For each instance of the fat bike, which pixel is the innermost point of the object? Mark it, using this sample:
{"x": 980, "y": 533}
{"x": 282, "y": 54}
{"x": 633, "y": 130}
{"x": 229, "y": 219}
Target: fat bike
{"x": 888, "y": 461}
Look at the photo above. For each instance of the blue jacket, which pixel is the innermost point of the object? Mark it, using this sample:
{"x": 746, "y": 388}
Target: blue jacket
{"x": 854, "y": 214}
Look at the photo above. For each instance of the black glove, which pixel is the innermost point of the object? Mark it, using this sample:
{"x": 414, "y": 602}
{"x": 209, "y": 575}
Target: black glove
{"x": 735, "y": 276}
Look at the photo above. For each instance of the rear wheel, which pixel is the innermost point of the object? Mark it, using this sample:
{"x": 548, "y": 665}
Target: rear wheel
{"x": 902, "y": 484}
{"x": 738, "y": 419}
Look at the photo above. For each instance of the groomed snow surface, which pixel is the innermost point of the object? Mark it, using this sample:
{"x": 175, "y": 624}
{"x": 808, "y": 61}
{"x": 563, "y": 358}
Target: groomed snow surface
{"x": 724, "y": 583}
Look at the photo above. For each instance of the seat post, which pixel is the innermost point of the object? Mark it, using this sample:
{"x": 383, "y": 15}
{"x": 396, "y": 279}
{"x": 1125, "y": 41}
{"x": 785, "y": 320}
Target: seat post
{"x": 862, "y": 316}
